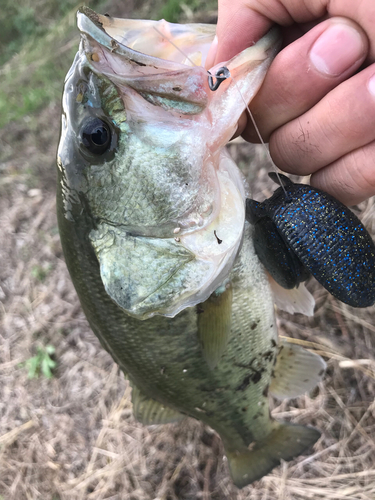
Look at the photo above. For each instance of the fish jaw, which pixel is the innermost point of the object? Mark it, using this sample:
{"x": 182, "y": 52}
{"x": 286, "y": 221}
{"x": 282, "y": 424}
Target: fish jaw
{"x": 175, "y": 55}
{"x": 148, "y": 43}
{"x": 166, "y": 185}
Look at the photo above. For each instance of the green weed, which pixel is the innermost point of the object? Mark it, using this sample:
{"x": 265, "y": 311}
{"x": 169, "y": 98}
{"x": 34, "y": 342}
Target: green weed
{"x": 41, "y": 363}
{"x": 40, "y": 273}
{"x": 38, "y": 44}
{"x": 27, "y": 20}
{"x": 173, "y": 9}
{"x": 34, "y": 76}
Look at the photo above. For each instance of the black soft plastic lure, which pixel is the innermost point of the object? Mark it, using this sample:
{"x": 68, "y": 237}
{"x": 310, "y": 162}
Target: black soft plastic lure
{"x": 301, "y": 230}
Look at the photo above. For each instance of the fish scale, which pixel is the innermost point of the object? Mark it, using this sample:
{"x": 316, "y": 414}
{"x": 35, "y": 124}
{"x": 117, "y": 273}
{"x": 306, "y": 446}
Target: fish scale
{"x": 157, "y": 360}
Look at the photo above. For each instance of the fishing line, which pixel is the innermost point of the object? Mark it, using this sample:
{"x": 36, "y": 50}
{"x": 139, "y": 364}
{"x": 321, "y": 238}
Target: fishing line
{"x": 259, "y": 135}
{"x": 222, "y": 74}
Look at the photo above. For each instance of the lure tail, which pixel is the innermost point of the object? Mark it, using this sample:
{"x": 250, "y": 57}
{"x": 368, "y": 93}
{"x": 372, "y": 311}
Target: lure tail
{"x": 285, "y": 442}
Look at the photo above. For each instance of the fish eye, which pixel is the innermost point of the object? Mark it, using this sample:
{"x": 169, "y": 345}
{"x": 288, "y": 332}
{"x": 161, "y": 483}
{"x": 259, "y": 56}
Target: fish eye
{"x": 96, "y": 136}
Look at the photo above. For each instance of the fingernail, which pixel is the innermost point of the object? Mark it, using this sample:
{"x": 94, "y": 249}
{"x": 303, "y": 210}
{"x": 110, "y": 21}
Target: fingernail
{"x": 371, "y": 85}
{"x": 337, "y": 49}
{"x": 210, "y": 60}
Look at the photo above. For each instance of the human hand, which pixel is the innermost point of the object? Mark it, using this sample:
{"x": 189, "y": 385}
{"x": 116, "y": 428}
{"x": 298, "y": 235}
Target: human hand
{"x": 316, "y": 109}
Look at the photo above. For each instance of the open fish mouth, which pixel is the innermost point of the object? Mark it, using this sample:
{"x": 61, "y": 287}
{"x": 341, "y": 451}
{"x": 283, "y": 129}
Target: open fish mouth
{"x": 174, "y": 249}
{"x": 142, "y": 41}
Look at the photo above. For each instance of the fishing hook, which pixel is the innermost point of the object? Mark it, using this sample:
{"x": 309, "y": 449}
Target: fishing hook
{"x": 221, "y": 74}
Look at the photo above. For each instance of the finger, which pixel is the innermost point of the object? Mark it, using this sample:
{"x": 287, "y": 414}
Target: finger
{"x": 305, "y": 71}
{"x": 239, "y": 27}
{"x": 340, "y": 123}
{"x": 242, "y": 22}
{"x": 351, "y": 179}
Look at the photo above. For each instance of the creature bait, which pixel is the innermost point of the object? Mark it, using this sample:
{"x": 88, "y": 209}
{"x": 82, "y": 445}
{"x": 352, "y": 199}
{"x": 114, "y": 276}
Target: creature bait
{"x": 302, "y": 230}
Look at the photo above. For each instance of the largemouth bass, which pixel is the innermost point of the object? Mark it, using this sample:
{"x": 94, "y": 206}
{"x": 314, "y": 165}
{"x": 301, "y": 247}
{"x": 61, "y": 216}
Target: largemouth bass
{"x": 151, "y": 212}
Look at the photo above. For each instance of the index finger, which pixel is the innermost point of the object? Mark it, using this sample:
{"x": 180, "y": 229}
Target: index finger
{"x": 238, "y": 27}
{"x": 243, "y": 22}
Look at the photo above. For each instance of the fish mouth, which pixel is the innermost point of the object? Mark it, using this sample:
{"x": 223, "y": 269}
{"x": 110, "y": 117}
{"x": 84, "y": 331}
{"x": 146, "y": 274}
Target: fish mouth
{"x": 154, "y": 44}
{"x": 149, "y": 270}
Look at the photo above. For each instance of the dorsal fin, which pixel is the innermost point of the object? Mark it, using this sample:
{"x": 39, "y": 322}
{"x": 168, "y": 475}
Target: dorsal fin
{"x": 296, "y": 371}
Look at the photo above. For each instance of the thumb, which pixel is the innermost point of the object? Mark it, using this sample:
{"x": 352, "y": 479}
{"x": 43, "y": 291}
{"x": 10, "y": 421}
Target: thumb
{"x": 238, "y": 27}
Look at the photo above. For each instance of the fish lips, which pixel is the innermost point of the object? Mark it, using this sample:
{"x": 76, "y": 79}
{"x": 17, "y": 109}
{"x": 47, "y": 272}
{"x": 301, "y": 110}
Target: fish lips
{"x": 132, "y": 40}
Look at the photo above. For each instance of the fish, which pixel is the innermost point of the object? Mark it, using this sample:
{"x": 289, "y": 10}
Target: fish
{"x": 302, "y": 229}
{"x": 151, "y": 213}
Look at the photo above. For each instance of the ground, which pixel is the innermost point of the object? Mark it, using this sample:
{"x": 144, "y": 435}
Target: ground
{"x": 73, "y": 436}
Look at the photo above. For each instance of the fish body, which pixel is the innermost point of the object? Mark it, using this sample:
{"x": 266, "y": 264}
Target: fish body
{"x": 151, "y": 213}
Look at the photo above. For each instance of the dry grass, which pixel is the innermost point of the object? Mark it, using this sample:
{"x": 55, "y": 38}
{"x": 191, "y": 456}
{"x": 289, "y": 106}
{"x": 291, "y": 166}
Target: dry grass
{"x": 73, "y": 437}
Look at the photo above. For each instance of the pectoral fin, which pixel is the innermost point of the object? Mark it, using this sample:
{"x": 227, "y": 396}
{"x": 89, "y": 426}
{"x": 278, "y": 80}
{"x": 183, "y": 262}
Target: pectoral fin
{"x": 296, "y": 371}
{"x": 214, "y": 324}
{"x": 150, "y": 412}
{"x": 285, "y": 442}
